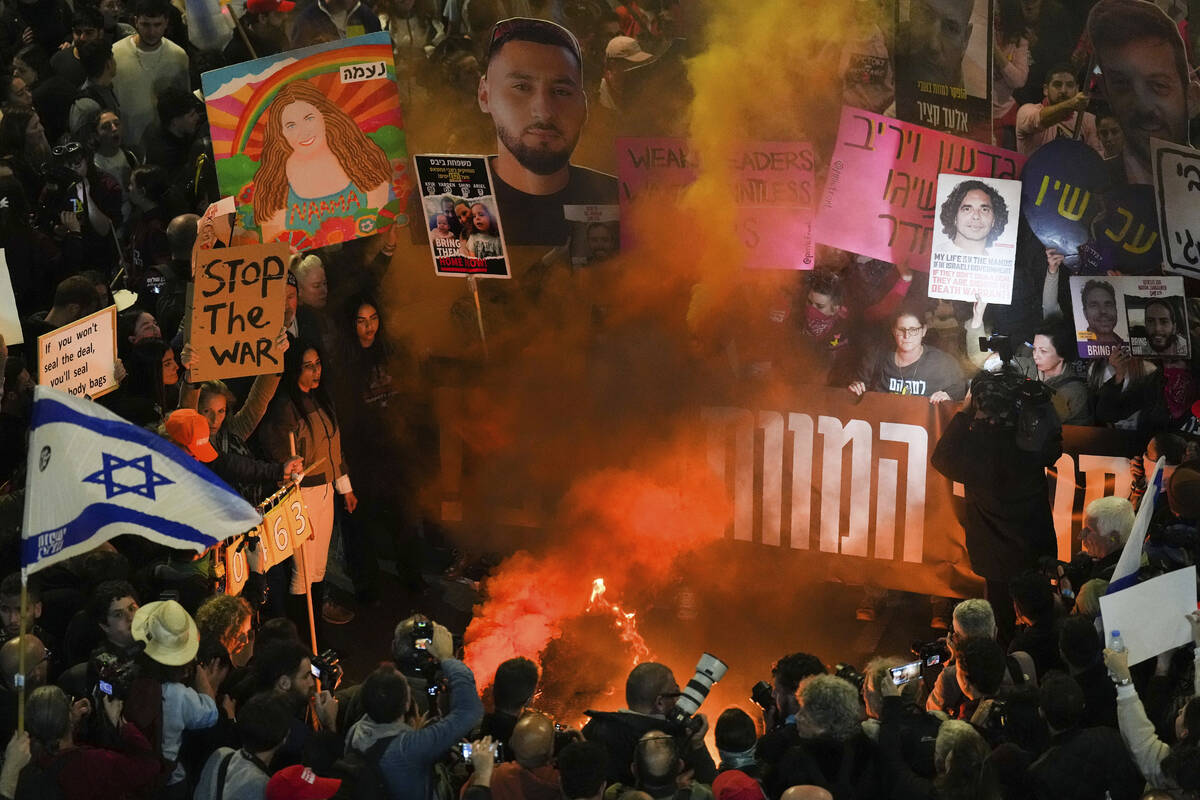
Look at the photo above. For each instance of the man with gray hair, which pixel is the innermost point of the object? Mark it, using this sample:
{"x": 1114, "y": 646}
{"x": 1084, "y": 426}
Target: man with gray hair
{"x": 919, "y": 726}
{"x": 1107, "y": 522}
{"x": 973, "y": 618}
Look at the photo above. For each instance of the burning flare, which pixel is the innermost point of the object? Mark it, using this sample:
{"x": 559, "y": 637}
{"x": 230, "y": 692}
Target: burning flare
{"x": 625, "y": 621}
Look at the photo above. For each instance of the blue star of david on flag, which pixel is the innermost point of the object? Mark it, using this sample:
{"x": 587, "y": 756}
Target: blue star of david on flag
{"x": 106, "y": 477}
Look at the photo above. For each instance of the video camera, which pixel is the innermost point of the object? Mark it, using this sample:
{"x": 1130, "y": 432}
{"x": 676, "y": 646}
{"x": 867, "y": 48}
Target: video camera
{"x": 847, "y": 672}
{"x": 327, "y": 668}
{"x": 112, "y": 675}
{"x": 709, "y": 670}
{"x": 419, "y": 661}
{"x": 999, "y": 344}
{"x": 763, "y": 695}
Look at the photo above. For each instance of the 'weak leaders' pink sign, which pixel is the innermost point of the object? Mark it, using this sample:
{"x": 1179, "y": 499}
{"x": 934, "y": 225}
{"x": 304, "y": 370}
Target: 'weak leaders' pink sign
{"x": 881, "y": 193}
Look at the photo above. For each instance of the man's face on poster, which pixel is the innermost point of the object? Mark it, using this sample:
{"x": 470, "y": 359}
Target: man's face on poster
{"x": 975, "y": 217}
{"x": 1060, "y": 87}
{"x": 600, "y": 242}
{"x": 1100, "y": 311}
{"x": 935, "y": 39}
{"x": 1146, "y": 92}
{"x": 1160, "y": 327}
{"x": 534, "y": 95}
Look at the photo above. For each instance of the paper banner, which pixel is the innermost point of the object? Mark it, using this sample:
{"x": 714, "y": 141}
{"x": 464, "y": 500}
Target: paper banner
{"x": 238, "y": 296}
{"x": 80, "y": 358}
{"x": 466, "y": 236}
{"x": 880, "y": 194}
{"x": 310, "y": 142}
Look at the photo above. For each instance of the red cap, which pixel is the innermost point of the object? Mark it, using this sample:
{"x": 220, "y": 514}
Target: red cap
{"x": 300, "y": 783}
{"x": 267, "y": 6}
{"x": 733, "y": 784}
{"x": 189, "y": 429}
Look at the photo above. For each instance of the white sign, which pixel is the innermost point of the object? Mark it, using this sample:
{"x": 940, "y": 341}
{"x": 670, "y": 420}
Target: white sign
{"x": 1152, "y": 616}
{"x": 10, "y": 321}
{"x": 1177, "y": 192}
{"x": 80, "y": 358}
{"x": 974, "y": 239}
{"x": 1144, "y": 315}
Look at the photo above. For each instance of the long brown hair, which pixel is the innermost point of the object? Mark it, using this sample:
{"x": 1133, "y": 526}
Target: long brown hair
{"x": 364, "y": 161}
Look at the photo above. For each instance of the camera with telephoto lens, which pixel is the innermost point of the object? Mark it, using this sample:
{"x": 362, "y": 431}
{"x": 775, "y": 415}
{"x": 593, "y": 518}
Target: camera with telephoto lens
{"x": 931, "y": 653}
{"x": 420, "y": 661}
{"x": 763, "y": 695}
{"x": 709, "y": 670}
{"x": 848, "y": 673}
{"x": 327, "y": 668}
{"x": 112, "y": 675}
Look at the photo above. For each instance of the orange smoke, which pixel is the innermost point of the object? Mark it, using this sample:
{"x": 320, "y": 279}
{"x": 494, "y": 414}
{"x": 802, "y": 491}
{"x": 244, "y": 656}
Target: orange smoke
{"x": 628, "y": 524}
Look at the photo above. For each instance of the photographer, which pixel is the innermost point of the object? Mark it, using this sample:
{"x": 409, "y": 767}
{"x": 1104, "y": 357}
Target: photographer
{"x": 973, "y": 618}
{"x": 418, "y": 646}
{"x": 918, "y": 727}
{"x": 650, "y": 692}
{"x": 287, "y": 667}
{"x": 1008, "y": 521}
{"x": 407, "y": 762}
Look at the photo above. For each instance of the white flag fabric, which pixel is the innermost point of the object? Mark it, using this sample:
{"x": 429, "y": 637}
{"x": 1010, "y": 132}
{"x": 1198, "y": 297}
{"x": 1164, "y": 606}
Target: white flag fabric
{"x": 1125, "y": 573}
{"x": 93, "y": 476}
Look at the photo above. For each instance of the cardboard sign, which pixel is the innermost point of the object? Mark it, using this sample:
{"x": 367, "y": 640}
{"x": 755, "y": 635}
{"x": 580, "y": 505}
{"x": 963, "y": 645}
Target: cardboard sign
{"x": 238, "y": 296}
{"x": 1177, "y": 192}
{"x": 773, "y": 186}
{"x": 10, "y": 320}
{"x": 880, "y": 196}
{"x": 310, "y": 143}
{"x": 276, "y": 535}
{"x": 1146, "y": 316}
{"x": 595, "y": 233}
{"x": 975, "y": 240}
{"x": 237, "y": 566}
{"x": 663, "y": 166}
{"x": 943, "y": 57}
{"x": 297, "y": 517}
{"x": 80, "y": 358}
{"x": 466, "y": 236}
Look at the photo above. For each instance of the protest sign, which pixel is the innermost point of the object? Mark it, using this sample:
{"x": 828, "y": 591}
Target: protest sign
{"x": 297, "y": 517}
{"x": 237, "y": 566}
{"x": 774, "y": 191}
{"x": 1177, "y": 192}
{"x": 80, "y": 358}
{"x": 276, "y": 536}
{"x": 975, "y": 244}
{"x": 1152, "y": 616}
{"x": 1125, "y": 234}
{"x": 1062, "y": 186}
{"x": 10, "y": 320}
{"x": 658, "y": 166}
{"x": 237, "y": 309}
{"x": 310, "y": 142}
{"x": 1146, "y": 316}
{"x": 595, "y": 233}
{"x": 466, "y": 236}
{"x": 880, "y": 196}
{"x": 944, "y": 66}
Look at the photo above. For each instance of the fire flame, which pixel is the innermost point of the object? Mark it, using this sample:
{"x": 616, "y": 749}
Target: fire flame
{"x": 625, "y": 621}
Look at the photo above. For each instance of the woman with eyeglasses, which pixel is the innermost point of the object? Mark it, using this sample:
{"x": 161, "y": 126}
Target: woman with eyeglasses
{"x": 910, "y": 367}
{"x": 302, "y": 412}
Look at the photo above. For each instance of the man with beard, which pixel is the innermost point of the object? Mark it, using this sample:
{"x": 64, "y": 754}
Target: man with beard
{"x": 931, "y": 44}
{"x": 1146, "y": 80}
{"x": 1162, "y": 331}
{"x": 533, "y": 90}
{"x": 1100, "y": 311}
{"x": 1057, "y": 114}
{"x": 286, "y": 667}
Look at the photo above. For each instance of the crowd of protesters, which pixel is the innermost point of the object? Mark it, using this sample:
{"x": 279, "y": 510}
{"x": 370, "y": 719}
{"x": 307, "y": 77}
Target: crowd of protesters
{"x": 142, "y": 680}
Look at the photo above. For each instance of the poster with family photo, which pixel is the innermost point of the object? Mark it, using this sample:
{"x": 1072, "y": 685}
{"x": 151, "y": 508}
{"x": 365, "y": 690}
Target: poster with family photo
{"x": 459, "y": 207}
{"x": 974, "y": 242}
{"x": 595, "y": 233}
{"x": 1145, "y": 316}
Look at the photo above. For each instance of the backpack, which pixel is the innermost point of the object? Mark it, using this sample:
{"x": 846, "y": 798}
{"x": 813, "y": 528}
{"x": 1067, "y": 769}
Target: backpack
{"x": 362, "y": 772}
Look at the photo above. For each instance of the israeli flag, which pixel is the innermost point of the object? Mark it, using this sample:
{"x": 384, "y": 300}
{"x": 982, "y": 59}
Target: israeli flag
{"x": 93, "y": 476}
{"x": 1125, "y": 573}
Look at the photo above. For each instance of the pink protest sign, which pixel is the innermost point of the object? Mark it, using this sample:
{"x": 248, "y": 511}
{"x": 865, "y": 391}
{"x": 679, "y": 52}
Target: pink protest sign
{"x": 880, "y": 197}
{"x": 772, "y": 185}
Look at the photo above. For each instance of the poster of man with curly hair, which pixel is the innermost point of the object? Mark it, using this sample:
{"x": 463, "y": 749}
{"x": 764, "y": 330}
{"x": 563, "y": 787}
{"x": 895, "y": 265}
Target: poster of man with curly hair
{"x": 310, "y": 143}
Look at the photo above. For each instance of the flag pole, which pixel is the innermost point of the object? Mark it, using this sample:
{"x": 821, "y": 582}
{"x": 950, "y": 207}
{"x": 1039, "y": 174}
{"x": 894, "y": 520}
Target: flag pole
{"x": 20, "y": 677}
{"x": 478, "y": 313}
{"x": 312, "y": 623}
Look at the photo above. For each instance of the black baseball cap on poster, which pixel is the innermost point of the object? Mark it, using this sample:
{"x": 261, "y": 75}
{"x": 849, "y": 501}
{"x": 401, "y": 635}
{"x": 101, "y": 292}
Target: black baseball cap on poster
{"x": 526, "y": 29}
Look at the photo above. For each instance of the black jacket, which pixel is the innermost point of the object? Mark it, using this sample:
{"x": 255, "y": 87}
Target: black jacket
{"x": 1085, "y": 763}
{"x": 849, "y": 770}
{"x": 619, "y": 731}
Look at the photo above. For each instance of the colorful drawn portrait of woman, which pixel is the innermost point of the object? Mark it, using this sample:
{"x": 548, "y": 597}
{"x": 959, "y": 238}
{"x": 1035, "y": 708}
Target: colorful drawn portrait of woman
{"x": 319, "y": 172}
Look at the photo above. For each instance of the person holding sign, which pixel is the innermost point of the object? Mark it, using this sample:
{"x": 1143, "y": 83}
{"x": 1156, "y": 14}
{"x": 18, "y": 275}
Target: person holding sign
{"x": 303, "y": 413}
{"x": 911, "y": 368}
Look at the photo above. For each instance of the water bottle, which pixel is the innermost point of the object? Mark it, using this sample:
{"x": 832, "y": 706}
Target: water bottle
{"x": 1116, "y": 643}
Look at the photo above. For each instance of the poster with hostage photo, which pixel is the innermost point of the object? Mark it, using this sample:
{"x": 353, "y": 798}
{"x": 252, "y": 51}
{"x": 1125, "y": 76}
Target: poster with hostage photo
{"x": 310, "y": 142}
{"x": 975, "y": 242}
{"x": 1157, "y": 312}
{"x": 459, "y": 206}
{"x": 595, "y": 233}
{"x": 1101, "y": 324}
